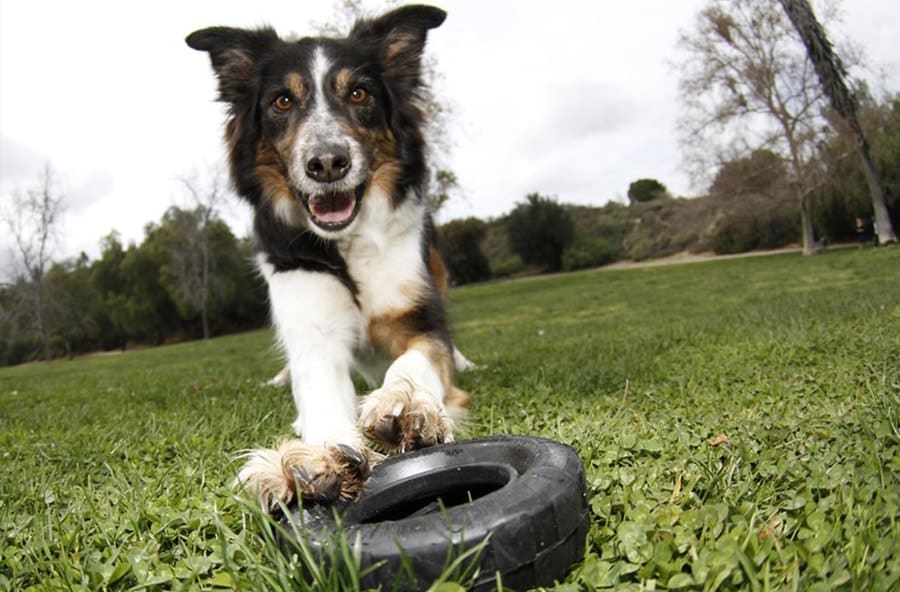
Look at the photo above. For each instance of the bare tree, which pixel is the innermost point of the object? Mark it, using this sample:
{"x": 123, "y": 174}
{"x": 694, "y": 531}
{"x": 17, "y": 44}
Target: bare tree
{"x": 190, "y": 264}
{"x": 33, "y": 219}
{"x": 831, "y": 73}
{"x": 747, "y": 85}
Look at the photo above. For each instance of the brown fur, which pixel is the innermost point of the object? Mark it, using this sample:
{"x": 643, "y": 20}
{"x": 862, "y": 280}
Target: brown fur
{"x": 438, "y": 271}
{"x": 342, "y": 82}
{"x": 294, "y": 83}
{"x": 270, "y": 174}
{"x": 384, "y": 178}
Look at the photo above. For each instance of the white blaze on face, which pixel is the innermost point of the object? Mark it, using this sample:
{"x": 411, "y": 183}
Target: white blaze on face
{"x": 323, "y": 128}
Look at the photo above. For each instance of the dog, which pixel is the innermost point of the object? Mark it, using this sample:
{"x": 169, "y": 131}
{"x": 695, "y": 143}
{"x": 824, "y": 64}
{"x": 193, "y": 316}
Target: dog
{"x": 325, "y": 140}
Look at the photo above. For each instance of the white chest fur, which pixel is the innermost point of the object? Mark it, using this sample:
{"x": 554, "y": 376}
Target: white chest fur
{"x": 384, "y": 255}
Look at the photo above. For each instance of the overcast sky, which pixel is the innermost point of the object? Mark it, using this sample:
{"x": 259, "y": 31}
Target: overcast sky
{"x": 574, "y": 99}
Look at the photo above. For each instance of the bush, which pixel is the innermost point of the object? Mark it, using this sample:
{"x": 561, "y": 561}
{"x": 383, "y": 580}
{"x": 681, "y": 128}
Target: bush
{"x": 755, "y": 222}
{"x": 460, "y": 245}
{"x": 588, "y": 251}
{"x": 18, "y": 350}
{"x": 539, "y": 230}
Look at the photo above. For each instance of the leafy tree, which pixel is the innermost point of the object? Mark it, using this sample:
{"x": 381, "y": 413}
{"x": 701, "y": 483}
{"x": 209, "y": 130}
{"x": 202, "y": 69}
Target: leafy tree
{"x": 539, "y": 230}
{"x": 110, "y": 283}
{"x": 204, "y": 283}
{"x": 460, "y": 242}
{"x": 746, "y": 80}
{"x": 644, "y": 190}
{"x": 144, "y": 309}
{"x": 75, "y": 307}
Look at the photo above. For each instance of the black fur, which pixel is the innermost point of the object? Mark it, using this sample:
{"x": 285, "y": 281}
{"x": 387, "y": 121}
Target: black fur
{"x": 250, "y": 66}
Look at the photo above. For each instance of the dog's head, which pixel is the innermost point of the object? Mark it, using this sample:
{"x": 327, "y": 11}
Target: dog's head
{"x": 317, "y": 125}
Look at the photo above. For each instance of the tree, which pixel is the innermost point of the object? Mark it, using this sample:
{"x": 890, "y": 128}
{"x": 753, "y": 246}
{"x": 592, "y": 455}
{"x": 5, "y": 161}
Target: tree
{"x": 189, "y": 251}
{"x": 460, "y": 242}
{"x": 144, "y": 310}
{"x": 644, "y": 190}
{"x": 539, "y": 230}
{"x": 33, "y": 217}
{"x": 830, "y": 70}
{"x": 746, "y": 80}
{"x": 110, "y": 284}
{"x": 74, "y": 307}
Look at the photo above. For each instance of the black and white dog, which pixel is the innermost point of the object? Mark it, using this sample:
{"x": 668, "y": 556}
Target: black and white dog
{"x": 325, "y": 140}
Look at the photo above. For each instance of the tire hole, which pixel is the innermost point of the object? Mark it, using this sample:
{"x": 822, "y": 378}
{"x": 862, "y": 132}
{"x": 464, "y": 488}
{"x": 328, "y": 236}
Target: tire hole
{"x": 432, "y": 492}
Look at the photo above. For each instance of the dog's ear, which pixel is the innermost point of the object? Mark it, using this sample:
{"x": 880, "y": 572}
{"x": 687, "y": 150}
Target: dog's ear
{"x": 399, "y": 37}
{"x": 234, "y": 54}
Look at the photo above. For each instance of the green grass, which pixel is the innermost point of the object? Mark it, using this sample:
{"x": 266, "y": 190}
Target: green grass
{"x": 114, "y": 471}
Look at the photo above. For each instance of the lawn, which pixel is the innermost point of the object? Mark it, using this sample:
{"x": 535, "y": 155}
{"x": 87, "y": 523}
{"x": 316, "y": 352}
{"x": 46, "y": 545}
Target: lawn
{"x": 739, "y": 421}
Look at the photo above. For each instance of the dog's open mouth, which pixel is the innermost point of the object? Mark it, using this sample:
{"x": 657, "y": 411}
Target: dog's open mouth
{"x": 334, "y": 211}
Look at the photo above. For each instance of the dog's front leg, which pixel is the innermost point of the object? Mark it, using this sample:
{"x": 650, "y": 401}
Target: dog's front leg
{"x": 415, "y": 406}
{"x": 318, "y": 325}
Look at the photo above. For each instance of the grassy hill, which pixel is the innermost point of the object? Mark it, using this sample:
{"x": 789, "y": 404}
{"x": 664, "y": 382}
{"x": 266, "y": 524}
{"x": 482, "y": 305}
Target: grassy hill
{"x": 657, "y": 229}
{"x": 739, "y": 421}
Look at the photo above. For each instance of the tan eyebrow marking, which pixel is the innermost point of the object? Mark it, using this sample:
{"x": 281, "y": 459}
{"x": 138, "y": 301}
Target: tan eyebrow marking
{"x": 294, "y": 83}
{"x": 342, "y": 81}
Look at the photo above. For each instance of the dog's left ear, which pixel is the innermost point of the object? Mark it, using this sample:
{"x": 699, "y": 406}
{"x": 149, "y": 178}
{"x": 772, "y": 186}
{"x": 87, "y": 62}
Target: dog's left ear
{"x": 400, "y": 38}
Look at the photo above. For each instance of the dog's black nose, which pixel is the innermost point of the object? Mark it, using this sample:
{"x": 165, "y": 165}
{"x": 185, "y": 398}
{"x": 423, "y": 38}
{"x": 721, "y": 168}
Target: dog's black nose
{"x": 330, "y": 163}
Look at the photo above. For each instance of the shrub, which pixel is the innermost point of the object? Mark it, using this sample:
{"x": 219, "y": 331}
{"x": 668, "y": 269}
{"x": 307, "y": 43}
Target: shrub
{"x": 460, "y": 244}
{"x": 590, "y": 251}
{"x": 539, "y": 230}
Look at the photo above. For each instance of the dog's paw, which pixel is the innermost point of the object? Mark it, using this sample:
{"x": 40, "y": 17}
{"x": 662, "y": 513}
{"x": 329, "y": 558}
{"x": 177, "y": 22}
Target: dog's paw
{"x": 402, "y": 416}
{"x": 320, "y": 474}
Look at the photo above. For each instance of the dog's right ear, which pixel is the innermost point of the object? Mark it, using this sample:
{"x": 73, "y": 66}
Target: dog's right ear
{"x": 234, "y": 54}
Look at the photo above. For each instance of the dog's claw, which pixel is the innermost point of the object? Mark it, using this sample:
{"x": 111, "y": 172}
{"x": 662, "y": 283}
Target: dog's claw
{"x": 388, "y": 430}
{"x": 359, "y": 464}
{"x": 319, "y": 489}
{"x": 301, "y": 476}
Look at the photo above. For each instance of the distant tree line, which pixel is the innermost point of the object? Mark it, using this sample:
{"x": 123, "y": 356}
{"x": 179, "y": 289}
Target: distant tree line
{"x": 137, "y": 294}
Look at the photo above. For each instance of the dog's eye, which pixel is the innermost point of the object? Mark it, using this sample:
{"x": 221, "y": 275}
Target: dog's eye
{"x": 359, "y": 96}
{"x": 283, "y": 103}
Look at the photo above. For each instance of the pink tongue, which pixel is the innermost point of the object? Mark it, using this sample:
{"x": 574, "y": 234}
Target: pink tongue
{"x": 332, "y": 207}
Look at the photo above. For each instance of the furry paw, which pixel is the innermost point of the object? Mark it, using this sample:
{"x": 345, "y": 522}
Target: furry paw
{"x": 321, "y": 474}
{"x": 402, "y": 416}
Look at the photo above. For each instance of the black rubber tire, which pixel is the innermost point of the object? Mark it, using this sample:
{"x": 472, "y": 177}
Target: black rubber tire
{"x": 527, "y": 493}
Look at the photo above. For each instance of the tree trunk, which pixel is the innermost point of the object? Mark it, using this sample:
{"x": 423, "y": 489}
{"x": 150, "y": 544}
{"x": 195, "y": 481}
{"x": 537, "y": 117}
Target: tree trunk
{"x": 204, "y": 313}
{"x": 810, "y": 246}
{"x": 886, "y": 234}
{"x": 41, "y": 317}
